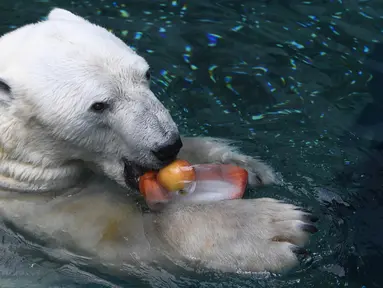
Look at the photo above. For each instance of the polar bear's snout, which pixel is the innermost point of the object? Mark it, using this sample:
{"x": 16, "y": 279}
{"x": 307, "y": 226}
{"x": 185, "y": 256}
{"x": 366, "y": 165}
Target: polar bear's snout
{"x": 156, "y": 141}
{"x": 168, "y": 151}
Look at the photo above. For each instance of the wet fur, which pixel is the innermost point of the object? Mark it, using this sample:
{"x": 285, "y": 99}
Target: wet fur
{"x": 91, "y": 212}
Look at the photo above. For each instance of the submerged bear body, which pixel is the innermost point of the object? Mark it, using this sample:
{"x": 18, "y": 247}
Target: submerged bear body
{"x": 79, "y": 124}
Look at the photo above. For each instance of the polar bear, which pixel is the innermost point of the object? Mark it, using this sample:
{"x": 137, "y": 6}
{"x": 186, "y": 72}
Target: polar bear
{"x": 79, "y": 124}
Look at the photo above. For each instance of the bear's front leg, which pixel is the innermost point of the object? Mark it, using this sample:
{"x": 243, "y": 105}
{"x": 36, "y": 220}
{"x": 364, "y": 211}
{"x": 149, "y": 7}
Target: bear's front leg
{"x": 248, "y": 235}
{"x": 199, "y": 150}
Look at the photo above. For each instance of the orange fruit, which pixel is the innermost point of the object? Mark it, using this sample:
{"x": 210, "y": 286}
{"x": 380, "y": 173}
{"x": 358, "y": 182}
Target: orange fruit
{"x": 176, "y": 175}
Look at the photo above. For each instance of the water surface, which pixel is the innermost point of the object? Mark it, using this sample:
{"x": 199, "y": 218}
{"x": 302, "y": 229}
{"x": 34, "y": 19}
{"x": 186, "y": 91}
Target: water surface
{"x": 296, "y": 82}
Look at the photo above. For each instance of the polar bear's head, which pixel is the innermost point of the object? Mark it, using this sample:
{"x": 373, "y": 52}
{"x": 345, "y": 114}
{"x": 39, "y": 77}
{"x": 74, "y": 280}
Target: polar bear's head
{"x": 85, "y": 94}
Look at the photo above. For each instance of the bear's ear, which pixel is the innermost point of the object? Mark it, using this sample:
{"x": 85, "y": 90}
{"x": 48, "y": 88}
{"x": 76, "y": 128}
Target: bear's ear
{"x": 62, "y": 14}
{"x": 5, "y": 93}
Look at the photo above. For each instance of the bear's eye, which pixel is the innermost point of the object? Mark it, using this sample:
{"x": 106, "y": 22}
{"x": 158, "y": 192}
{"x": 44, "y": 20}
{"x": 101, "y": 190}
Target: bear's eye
{"x": 99, "y": 106}
{"x": 147, "y": 75}
{"x": 4, "y": 86}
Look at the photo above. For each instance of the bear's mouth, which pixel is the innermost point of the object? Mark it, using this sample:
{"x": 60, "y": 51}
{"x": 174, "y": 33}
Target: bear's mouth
{"x": 132, "y": 172}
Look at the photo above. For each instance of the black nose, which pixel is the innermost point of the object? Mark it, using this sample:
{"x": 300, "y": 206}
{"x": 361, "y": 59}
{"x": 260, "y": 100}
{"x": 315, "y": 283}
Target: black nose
{"x": 169, "y": 151}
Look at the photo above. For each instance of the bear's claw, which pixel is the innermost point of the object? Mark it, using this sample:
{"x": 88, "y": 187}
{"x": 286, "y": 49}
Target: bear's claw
{"x": 309, "y": 228}
{"x": 299, "y": 251}
{"x": 310, "y": 218}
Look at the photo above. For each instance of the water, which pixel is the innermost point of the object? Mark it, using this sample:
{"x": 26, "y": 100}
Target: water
{"x": 297, "y": 82}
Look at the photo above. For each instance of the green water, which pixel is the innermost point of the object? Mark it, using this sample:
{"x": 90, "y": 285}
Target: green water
{"x": 296, "y": 82}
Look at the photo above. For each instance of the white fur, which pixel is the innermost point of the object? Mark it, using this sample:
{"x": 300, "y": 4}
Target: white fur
{"x": 56, "y": 157}
{"x": 68, "y": 66}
